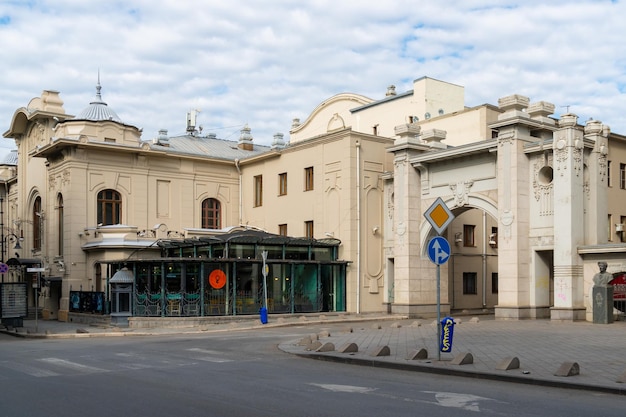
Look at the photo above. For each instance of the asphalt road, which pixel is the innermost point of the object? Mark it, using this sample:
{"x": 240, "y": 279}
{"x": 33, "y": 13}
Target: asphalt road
{"x": 243, "y": 373}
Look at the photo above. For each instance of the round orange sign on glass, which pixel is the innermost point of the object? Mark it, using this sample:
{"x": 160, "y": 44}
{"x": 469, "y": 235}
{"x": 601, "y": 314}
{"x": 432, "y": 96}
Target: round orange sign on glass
{"x": 217, "y": 279}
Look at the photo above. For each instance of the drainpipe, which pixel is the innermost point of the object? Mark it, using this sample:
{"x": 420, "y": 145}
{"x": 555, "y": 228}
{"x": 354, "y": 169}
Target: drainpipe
{"x": 358, "y": 227}
{"x": 485, "y": 240}
{"x": 240, "y": 190}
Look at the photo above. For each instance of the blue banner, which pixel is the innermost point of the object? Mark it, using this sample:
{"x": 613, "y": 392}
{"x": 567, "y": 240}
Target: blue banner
{"x": 447, "y": 332}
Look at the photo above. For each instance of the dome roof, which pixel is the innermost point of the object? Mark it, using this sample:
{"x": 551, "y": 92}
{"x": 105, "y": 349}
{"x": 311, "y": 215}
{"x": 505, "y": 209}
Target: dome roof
{"x": 98, "y": 110}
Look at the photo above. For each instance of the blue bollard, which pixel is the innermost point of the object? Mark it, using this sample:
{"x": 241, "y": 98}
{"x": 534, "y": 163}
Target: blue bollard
{"x": 263, "y": 313}
{"x": 447, "y": 333}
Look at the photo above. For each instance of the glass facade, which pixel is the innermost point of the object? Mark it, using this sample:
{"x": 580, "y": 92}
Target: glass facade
{"x": 225, "y": 276}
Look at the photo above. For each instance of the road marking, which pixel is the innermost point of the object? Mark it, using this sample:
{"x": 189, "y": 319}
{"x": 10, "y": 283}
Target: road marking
{"x": 467, "y": 402}
{"x": 345, "y": 388}
{"x": 28, "y": 369}
{"x": 208, "y": 358}
{"x": 72, "y": 365}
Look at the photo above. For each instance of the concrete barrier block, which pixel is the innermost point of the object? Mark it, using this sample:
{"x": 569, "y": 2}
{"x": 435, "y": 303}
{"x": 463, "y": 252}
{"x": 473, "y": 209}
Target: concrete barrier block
{"x": 507, "y": 364}
{"x": 305, "y": 341}
{"x": 418, "y": 354}
{"x": 323, "y": 333}
{"x": 381, "y": 351}
{"x": 79, "y": 330}
{"x": 622, "y": 378}
{"x": 376, "y": 326}
{"x": 349, "y": 348}
{"x": 568, "y": 369}
{"x": 463, "y": 359}
{"x": 313, "y": 337}
{"x": 347, "y": 330}
{"x": 326, "y": 347}
{"x": 474, "y": 320}
{"x": 302, "y": 318}
{"x": 314, "y": 345}
{"x": 395, "y": 325}
{"x": 416, "y": 323}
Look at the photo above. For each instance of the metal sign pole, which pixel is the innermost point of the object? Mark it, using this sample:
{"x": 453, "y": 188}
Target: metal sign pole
{"x": 438, "y": 312}
{"x": 37, "y": 302}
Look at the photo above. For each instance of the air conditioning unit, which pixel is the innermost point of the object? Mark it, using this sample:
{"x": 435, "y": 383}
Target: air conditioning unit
{"x": 619, "y": 227}
{"x": 493, "y": 239}
{"x": 458, "y": 237}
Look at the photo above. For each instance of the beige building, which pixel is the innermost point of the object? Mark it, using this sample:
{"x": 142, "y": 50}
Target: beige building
{"x": 536, "y": 200}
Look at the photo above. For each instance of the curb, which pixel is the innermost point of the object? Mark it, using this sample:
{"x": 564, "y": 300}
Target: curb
{"x": 417, "y": 367}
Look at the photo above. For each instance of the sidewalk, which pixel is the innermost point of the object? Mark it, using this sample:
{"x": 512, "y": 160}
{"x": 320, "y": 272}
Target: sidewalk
{"x": 541, "y": 346}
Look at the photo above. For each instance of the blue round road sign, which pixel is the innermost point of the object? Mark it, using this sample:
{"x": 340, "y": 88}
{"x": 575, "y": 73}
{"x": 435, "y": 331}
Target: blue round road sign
{"x": 4, "y": 268}
{"x": 438, "y": 250}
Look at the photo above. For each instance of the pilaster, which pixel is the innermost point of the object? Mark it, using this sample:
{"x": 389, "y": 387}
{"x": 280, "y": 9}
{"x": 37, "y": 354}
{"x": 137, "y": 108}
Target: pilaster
{"x": 568, "y": 147}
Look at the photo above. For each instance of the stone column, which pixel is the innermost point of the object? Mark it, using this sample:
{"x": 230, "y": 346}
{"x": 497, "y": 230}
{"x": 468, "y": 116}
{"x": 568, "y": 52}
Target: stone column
{"x": 568, "y": 149}
{"x": 513, "y": 209}
{"x": 596, "y": 187}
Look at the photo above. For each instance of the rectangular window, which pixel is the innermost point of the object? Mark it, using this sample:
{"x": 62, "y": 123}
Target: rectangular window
{"x": 258, "y": 190}
{"x": 308, "y": 229}
{"x": 610, "y": 227}
{"x": 468, "y": 235}
{"x": 469, "y": 283}
{"x": 622, "y": 176}
{"x": 308, "y": 179}
{"x": 494, "y": 282}
{"x": 621, "y": 233}
{"x": 608, "y": 174}
{"x": 282, "y": 184}
{"x": 282, "y": 229}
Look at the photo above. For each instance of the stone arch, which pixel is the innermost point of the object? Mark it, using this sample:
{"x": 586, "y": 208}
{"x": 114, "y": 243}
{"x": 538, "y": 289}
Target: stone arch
{"x": 475, "y": 201}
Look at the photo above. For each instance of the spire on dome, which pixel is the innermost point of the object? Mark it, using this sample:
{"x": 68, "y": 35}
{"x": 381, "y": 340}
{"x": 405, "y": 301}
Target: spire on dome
{"x": 98, "y": 110}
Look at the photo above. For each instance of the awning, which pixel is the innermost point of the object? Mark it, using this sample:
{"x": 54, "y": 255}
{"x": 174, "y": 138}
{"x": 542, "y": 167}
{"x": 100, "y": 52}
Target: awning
{"x": 23, "y": 261}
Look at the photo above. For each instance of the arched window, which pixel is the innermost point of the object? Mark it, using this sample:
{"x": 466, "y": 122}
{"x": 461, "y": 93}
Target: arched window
{"x": 109, "y": 207}
{"x": 211, "y": 214}
{"x": 60, "y": 224}
{"x": 37, "y": 220}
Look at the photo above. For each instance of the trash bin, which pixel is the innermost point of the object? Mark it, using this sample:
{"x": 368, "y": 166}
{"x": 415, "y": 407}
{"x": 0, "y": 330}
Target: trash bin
{"x": 447, "y": 333}
{"x": 263, "y": 314}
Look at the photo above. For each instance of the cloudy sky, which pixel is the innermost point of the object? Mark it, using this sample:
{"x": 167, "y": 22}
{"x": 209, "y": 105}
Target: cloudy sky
{"x": 265, "y": 62}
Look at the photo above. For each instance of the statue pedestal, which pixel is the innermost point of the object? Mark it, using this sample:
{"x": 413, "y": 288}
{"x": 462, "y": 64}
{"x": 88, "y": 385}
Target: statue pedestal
{"x": 602, "y": 304}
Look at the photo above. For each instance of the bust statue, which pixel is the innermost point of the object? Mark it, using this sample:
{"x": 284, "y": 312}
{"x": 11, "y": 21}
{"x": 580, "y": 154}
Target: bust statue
{"x": 602, "y": 278}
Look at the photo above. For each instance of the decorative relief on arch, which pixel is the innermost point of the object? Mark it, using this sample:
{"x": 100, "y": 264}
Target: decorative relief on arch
{"x": 335, "y": 123}
{"x": 560, "y": 155}
{"x": 543, "y": 185}
{"x": 461, "y": 192}
{"x": 577, "y": 156}
{"x": 602, "y": 163}
{"x": 65, "y": 177}
{"x": 52, "y": 182}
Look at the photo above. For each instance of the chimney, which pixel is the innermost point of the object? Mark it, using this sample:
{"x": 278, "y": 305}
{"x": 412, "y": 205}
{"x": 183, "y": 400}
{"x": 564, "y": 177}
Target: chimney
{"x": 162, "y": 139}
{"x": 391, "y": 91}
{"x": 245, "y": 139}
{"x": 279, "y": 142}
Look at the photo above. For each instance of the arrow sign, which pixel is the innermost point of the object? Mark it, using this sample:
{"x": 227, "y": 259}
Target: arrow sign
{"x": 438, "y": 250}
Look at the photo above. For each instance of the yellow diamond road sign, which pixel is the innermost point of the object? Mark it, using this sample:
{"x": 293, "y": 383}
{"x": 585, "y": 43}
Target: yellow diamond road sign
{"x": 439, "y": 216}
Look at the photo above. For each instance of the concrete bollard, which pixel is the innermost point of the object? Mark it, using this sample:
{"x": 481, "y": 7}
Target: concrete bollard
{"x": 508, "y": 364}
{"x": 463, "y": 359}
{"x": 418, "y": 354}
{"x": 349, "y": 348}
{"x": 326, "y": 347}
{"x": 568, "y": 369}
{"x": 314, "y": 345}
{"x": 381, "y": 351}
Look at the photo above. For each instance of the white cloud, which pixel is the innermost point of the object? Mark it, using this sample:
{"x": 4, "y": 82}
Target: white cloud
{"x": 266, "y": 62}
